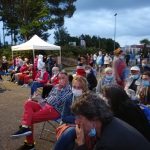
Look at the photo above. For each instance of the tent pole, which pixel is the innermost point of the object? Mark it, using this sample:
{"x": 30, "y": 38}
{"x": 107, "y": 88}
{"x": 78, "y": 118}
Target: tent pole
{"x": 33, "y": 55}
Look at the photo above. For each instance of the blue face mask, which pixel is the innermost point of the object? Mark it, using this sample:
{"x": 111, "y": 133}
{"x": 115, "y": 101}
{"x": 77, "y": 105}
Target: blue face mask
{"x": 135, "y": 76}
{"x": 145, "y": 83}
{"x": 109, "y": 77}
{"x": 122, "y": 57}
{"x": 92, "y": 132}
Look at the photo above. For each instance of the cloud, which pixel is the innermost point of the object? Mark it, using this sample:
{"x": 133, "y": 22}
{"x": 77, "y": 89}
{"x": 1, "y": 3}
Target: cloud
{"x": 86, "y": 5}
{"x": 96, "y": 17}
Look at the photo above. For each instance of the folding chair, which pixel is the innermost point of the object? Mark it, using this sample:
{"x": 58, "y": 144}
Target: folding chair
{"x": 48, "y": 130}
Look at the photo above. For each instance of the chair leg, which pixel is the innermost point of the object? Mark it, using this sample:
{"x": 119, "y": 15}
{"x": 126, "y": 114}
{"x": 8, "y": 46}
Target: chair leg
{"x": 52, "y": 131}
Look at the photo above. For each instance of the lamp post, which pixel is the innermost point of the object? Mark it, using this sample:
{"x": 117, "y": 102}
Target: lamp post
{"x": 115, "y": 29}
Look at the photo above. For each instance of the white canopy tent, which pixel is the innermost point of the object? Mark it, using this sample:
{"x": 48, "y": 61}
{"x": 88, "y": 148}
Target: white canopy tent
{"x": 35, "y": 43}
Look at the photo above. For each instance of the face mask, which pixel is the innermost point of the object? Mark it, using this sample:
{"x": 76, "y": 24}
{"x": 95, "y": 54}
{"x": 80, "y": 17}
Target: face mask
{"x": 108, "y": 77}
{"x": 92, "y": 132}
{"x": 145, "y": 83}
{"x": 135, "y": 76}
{"x": 143, "y": 65}
{"x": 76, "y": 92}
{"x": 87, "y": 71}
{"x": 55, "y": 72}
{"x": 122, "y": 57}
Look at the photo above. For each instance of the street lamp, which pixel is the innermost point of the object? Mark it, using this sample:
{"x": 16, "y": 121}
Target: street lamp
{"x": 115, "y": 29}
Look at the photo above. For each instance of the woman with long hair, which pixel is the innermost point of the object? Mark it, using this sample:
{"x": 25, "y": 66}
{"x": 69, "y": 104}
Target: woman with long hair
{"x": 127, "y": 110}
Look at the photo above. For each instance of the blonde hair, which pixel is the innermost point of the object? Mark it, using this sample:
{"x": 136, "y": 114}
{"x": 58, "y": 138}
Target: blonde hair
{"x": 82, "y": 81}
{"x": 108, "y": 69}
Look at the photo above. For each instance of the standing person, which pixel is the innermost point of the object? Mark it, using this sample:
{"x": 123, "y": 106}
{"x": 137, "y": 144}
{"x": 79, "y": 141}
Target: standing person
{"x": 40, "y": 62}
{"x": 97, "y": 129}
{"x": 91, "y": 78}
{"x": 119, "y": 67}
{"x": 4, "y": 64}
{"x": 127, "y": 57}
{"x": 94, "y": 59}
{"x": 125, "y": 109}
{"x": 50, "y": 64}
{"x": 49, "y": 109}
{"x": 35, "y": 63}
{"x": 107, "y": 60}
{"x": 79, "y": 87}
{"x": 99, "y": 61}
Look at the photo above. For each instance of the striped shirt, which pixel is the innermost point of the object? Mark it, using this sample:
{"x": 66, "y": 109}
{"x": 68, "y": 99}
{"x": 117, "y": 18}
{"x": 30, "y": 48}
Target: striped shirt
{"x": 57, "y": 97}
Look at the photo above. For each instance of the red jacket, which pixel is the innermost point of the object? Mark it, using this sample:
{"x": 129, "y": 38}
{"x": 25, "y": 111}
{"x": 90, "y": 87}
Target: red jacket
{"x": 24, "y": 68}
{"x": 44, "y": 79}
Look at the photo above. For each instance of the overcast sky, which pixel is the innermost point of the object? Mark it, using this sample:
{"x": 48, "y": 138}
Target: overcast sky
{"x": 96, "y": 17}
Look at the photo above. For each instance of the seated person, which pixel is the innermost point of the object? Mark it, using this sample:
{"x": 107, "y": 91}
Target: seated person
{"x": 40, "y": 79}
{"x": 98, "y": 129}
{"x": 107, "y": 79}
{"x": 143, "y": 90}
{"x": 30, "y": 77}
{"x": 23, "y": 69}
{"x": 52, "y": 82}
{"x": 125, "y": 109}
{"x": 49, "y": 109}
{"x": 79, "y": 86}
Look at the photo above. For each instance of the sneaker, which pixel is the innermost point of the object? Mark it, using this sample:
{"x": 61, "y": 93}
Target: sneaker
{"x": 22, "y": 132}
{"x": 27, "y": 147}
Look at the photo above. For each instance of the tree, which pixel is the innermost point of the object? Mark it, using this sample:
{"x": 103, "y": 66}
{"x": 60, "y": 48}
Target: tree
{"x": 145, "y": 42}
{"x": 61, "y": 36}
{"x": 24, "y": 18}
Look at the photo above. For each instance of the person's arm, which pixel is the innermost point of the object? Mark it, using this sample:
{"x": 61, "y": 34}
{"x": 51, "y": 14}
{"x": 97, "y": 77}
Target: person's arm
{"x": 80, "y": 140}
{"x": 99, "y": 88}
{"x": 67, "y": 116}
{"x": 45, "y": 78}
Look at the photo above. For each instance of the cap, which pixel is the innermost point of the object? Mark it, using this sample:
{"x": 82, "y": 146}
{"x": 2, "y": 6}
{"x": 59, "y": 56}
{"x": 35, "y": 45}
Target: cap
{"x": 80, "y": 71}
{"x": 136, "y": 68}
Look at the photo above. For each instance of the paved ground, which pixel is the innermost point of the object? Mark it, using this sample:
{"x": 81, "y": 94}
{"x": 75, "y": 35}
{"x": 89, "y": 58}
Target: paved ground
{"x": 11, "y": 108}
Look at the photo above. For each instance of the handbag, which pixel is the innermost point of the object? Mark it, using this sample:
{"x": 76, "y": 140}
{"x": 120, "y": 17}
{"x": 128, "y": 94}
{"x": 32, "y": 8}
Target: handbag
{"x": 62, "y": 128}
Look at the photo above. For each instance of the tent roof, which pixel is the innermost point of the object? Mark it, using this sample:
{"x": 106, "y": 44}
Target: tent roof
{"x": 35, "y": 43}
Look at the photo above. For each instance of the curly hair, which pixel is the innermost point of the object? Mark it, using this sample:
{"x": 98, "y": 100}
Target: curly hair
{"x": 91, "y": 106}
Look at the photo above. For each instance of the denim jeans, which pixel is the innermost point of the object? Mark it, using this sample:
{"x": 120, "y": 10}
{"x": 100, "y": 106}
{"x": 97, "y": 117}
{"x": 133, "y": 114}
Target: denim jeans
{"x": 66, "y": 140}
{"x": 34, "y": 86}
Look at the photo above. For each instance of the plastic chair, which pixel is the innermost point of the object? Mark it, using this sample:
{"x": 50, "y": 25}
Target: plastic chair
{"x": 49, "y": 127}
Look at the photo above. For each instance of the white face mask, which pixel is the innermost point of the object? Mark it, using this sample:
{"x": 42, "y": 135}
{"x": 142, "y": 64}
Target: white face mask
{"x": 76, "y": 92}
{"x": 87, "y": 71}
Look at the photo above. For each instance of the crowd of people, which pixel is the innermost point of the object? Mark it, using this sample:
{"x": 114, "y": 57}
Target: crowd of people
{"x": 101, "y": 105}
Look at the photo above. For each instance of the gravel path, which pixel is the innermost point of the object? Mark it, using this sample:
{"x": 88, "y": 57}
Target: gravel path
{"x": 11, "y": 108}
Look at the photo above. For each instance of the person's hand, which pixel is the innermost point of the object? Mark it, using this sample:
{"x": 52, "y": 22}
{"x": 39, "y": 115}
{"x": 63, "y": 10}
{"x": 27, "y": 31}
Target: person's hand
{"x": 80, "y": 140}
